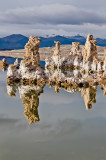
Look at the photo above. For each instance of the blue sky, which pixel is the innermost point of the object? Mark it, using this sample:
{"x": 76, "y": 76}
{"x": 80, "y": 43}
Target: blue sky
{"x": 48, "y": 17}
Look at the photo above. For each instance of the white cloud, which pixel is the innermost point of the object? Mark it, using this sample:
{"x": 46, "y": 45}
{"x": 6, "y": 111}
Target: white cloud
{"x": 48, "y": 18}
{"x": 52, "y": 14}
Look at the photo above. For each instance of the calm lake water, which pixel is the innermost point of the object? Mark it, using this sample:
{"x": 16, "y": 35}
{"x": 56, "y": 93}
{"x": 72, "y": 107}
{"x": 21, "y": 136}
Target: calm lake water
{"x": 65, "y": 129}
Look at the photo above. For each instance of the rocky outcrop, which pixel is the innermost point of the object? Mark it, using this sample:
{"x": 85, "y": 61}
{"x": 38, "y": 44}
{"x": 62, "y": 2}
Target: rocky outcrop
{"x": 89, "y": 51}
{"x": 76, "y": 50}
{"x": 32, "y": 52}
{"x": 3, "y": 64}
{"x": 86, "y": 59}
{"x": 75, "y": 76}
{"x": 29, "y": 68}
{"x": 55, "y": 60}
{"x": 104, "y": 62}
{"x": 91, "y": 62}
{"x": 74, "y": 60}
{"x": 56, "y": 55}
{"x": 13, "y": 72}
{"x": 75, "y": 82}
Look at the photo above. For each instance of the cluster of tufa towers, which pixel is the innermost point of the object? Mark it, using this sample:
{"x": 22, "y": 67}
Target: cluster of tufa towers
{"x": 81, "y": 59}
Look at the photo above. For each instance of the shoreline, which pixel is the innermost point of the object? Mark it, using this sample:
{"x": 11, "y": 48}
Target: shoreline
{"x": 47, "y": 52}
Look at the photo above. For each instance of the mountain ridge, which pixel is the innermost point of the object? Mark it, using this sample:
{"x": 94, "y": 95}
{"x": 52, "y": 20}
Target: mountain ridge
{"x": 18, "y": 41}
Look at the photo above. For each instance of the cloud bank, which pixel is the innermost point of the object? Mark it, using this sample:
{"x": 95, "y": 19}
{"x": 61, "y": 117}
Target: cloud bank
{"x": 53, "y": 17}
{"x": 55, "y": 14}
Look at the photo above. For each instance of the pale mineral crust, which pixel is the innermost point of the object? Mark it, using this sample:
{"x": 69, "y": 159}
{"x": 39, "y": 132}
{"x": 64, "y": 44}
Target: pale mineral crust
{"x": 76, "y": 82}
{"x": 55, "y": 60}
{"x": 89, "y": 51}
{"x": 85, "y": 59}
{"x": 104, "y": 61}
{"x": 80, "y": 66}
{"x": 56, "y": 55}
{"x": 29, "y": 67}
{"x": 76, "y": 50}
{"x": 13, "y": 72}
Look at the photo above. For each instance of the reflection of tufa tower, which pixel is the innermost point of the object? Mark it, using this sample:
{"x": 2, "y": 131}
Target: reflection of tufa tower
{"x": 29, "y": 96}
{"x": 12, "y": 89}
{"x": 89, "y": 95}
{"x": 31, "y": 103}
{"x": 103, "y": 87}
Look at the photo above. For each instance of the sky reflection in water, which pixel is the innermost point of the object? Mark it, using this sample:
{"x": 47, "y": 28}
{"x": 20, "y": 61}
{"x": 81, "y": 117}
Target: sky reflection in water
{"x": 63, "y": 128}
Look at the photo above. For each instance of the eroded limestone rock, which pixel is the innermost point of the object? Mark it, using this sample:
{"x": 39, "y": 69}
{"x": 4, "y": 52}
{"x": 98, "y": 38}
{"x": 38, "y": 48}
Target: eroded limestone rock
{"x": 89, "y": 51}
{"x": 74, "y": 60}
{"x": 3, "y": 64}
{"x": 55, "y": 61}
{"x": 56, "y": 55}
{"x": 104, "y": 61}
{"x": 32, "y": 51}
{"x": 76, "y": 50}
{"x": 85, "y": 59}
{"x": 91, "y": 62}
{"x": 16, "y": 62}
{"x": 29, "y": 67}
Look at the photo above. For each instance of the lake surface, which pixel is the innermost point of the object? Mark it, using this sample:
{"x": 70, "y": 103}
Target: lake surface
{"x": 63, "y": 128}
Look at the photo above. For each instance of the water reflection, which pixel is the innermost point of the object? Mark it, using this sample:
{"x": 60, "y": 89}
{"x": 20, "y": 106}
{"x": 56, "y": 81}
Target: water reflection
{"x": 103, "y": 87}
{"x": 30, "y": 99}
{"x": 30, "y": 96}
{"x": 89, "y": 95}
{"x": 65, "y": 126}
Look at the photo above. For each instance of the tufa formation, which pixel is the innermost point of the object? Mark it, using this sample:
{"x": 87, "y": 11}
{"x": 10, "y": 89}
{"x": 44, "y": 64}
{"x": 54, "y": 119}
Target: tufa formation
{"x": 29, "y": 68}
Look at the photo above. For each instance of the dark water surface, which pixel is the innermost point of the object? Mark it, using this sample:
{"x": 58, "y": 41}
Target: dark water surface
{"x": 65, "y": 130}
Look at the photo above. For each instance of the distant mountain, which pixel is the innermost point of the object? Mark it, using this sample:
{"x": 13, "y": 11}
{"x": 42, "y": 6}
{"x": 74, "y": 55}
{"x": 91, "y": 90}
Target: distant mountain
{"x": 14, "y": 41}
{"x": 18, "y": 41}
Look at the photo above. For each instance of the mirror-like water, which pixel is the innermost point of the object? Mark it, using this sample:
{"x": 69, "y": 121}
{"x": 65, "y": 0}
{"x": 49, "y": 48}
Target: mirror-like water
{"x": 36, "y": 123}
